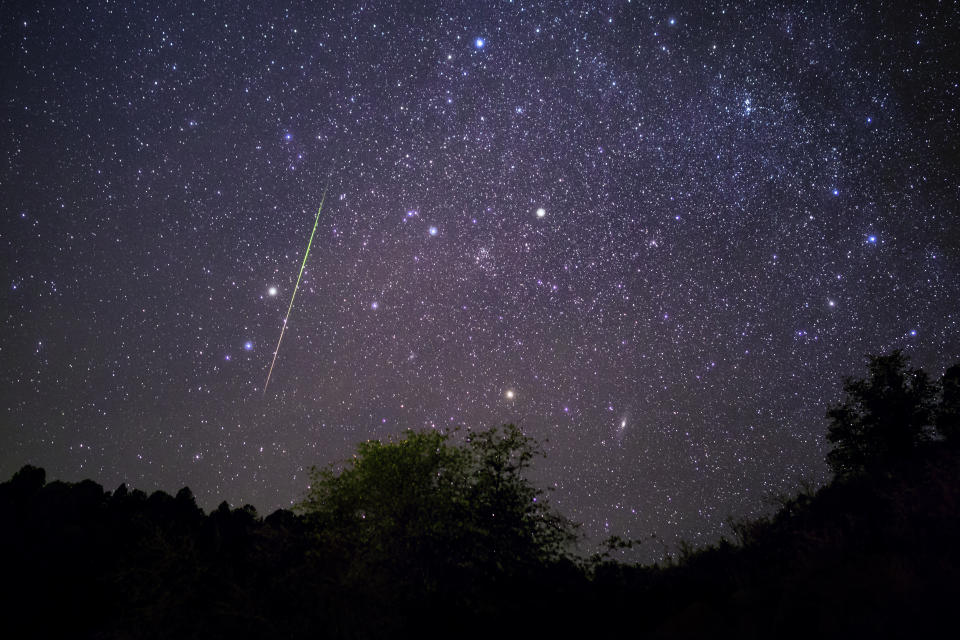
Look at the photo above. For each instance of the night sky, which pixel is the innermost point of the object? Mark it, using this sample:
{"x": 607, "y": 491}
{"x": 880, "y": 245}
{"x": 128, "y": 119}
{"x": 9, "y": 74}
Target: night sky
{"x": 657, "y": 236}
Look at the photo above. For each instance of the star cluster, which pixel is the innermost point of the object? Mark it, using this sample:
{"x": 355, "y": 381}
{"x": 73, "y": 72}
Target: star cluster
{"x": 655, "y": 235}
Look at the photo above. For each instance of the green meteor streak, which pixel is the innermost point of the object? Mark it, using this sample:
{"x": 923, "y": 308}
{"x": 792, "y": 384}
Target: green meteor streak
{"x": 293, "y": 297}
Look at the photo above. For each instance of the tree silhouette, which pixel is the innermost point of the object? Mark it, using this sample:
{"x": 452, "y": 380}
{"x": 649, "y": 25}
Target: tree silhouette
{"x": 883, "y": 419}
{"x": 423, "y": 509}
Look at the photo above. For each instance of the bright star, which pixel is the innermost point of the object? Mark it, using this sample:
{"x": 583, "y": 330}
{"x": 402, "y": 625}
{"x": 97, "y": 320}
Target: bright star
{"x": 272, "y": 291}
{"x": 374, "y": 305}
{"x": 541, "y": 212}
{"x": 248, "y": 346}
{"x": 479, "y": 42}
{"x": 433, "y": 231}
{"x": 509, "y": 394}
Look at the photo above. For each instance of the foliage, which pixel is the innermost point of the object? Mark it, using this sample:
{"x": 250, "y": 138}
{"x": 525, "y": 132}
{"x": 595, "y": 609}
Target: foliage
{"x": 884, "y": 417}
{"x": 422, "y": 508}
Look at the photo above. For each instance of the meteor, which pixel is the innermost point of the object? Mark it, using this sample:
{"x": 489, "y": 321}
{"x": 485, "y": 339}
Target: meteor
{"x": 292, "y": 297}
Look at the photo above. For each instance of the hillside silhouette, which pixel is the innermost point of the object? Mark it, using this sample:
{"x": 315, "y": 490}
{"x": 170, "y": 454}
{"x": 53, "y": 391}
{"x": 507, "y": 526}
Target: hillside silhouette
{"x": 435, "y": 536}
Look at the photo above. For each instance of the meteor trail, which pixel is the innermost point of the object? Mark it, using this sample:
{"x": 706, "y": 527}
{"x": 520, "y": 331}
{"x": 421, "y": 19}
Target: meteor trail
{"x": 297, "y": 286}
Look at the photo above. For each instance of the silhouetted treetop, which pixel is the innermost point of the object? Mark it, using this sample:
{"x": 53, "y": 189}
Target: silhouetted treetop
{"x": 436, "y": 507}
{"x": 25, "y": 482}
{"x": 884, "y": 417}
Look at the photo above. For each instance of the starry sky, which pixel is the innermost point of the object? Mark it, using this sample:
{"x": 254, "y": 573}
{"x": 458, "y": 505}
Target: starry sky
{"x": 656, "y": 235}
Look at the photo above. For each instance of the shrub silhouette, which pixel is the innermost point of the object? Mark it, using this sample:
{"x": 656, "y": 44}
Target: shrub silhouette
{"x": 885, "y": 417}
{"x": 421, "y": 518}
